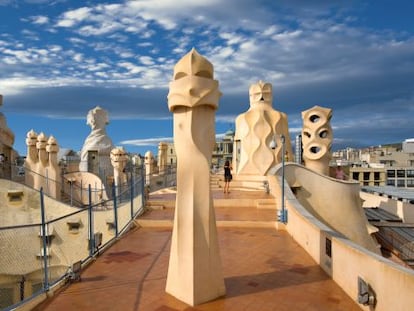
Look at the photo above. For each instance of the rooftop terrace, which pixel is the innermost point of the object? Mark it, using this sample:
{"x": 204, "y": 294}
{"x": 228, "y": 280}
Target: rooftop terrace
{"x": 264, "y": 268}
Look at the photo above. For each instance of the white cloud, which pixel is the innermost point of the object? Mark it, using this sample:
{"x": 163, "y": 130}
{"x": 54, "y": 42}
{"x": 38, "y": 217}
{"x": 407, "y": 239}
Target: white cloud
{"x": 152, "y": 75}
{"x": 232, "y": 38}
{"x": 77, "y": 40}
{"x": 132, "y": 69}
{"x": 16, "y": 85}
{"x": 154, "y": 141}
{"x": 40, "y": 20}
{"x": 270, "y": 31}
{"x": 55, "y": 48}
{"x": 30, "y": 34}
{"x": 146, "y": 60}
{"x": 97, "y": 67}
{"x": 287, "y": 35}
{"x": 23, "y": 56}
{"x": 10, "y": 60}
{"x": 126, "y": 54}
{"x": 101, "y": 29}
{"x": 146, "y": 141}
{"x": 78, "y": 57}
{"x": 145, "y": 44}
{"x": 73, "y": 17}
{"x": 102, "y": 74}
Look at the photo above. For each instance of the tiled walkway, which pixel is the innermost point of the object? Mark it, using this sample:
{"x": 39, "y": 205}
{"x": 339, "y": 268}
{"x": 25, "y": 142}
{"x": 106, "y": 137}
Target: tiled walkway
{"x": 264, "y": 269}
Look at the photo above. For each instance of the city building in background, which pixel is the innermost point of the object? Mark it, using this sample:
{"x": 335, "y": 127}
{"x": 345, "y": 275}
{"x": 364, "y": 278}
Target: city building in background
{"x": 223, "y": 150}
{"x": 387, "y": 165}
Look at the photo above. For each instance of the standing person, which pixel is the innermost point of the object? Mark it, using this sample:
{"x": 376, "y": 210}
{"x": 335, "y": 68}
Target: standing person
{"x": 339, "y": 173}
{"x": 227, "y": 176}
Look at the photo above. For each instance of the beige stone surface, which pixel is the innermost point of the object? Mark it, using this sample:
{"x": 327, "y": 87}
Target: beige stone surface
{"x": 162, "y": 157}
{"x": 42, "y": 169}
{"x": 336, "y": 203}
{"x": 53, "y": 172}
{"x": 82, "y": 180}
{"x": 149, "y": 166}
{"x": 194, "y": 271}
{"x": 317, "y": 138}
{"x": 97, "y": 141}
{"x": 32, "y": 157}
{"x": 256, "y": 129}
{"x": 6, "y": 134}
{"x": 119, "y": 160}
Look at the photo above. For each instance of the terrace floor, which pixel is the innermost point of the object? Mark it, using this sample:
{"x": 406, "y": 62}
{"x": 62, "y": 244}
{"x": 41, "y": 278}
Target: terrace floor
{"x": 264, "y": 268}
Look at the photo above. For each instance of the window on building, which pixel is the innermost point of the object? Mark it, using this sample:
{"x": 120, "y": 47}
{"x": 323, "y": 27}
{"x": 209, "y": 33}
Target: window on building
{"x": 355, "y": 176}
{"x": 400, "y": 183}
{"x": 400, "y": 173}
{"x": 391, "y": 182}
{"x": 410, "y": 183}
{"x": 366, "y": 175}
{"x": 390, "y": 173}
{"x": 410, "y": 173}
{"x": 376, "y": 175}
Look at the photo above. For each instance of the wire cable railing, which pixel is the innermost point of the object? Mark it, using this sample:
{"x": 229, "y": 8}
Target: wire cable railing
{"x": 38, "y": 255}
{"x": 66, "y": 232}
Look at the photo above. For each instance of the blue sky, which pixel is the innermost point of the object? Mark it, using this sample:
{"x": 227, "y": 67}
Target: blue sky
{"x": 59, "y": 59}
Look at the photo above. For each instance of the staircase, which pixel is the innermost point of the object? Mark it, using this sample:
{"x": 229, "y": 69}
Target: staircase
{"x": 216, "y": 181}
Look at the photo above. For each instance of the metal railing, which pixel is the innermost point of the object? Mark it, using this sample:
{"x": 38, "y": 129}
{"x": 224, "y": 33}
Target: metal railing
{"x": 56, "y": 237}
{"x": 398, "y": 240}
{"x": 38, "y": 255}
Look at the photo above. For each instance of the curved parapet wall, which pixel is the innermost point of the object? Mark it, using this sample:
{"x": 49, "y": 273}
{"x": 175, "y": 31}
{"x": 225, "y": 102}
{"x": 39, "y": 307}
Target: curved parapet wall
{"x": 334, "y": 202}
{"x": 317, "y": 138}
{"x": 344, "y": 261}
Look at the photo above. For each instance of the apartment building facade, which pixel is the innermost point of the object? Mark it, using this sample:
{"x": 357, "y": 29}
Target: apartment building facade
{"x": 388, "y": 165}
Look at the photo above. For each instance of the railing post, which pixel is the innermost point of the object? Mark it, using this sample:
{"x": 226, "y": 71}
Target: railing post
{"x": 284, "y": 211}
{"x": 119, "y": 190}
{"x": 90, "y": 216}
{"x": 71, "y": 193}
{"x": 115, "y": 210}
{"x": 143, "y": 181}
{"x": 131, "y": 190}
{"x": 44, "y": 237}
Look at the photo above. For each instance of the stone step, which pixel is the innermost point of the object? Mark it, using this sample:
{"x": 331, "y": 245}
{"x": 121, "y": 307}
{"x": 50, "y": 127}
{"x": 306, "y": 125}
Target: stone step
{"x": 156, "y": 207}
{"x": 160, "y": 203}
{"x": 166, "y": 223}
{"x": 266, "y": 203}
{"x": 154, "y": 223}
